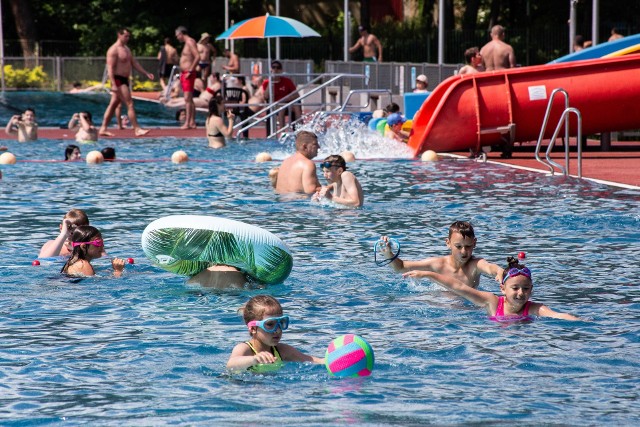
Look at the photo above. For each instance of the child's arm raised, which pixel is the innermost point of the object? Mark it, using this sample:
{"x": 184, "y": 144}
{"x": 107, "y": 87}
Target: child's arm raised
{"x": 401, "y": 266}
{"x": 490, "y": 269}
{"x": 53, "y": 248}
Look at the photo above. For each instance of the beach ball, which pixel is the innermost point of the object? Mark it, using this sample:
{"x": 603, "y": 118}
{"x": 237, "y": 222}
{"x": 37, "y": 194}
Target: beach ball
{"x": 7, "y": 159}
{"x": 263, "y": 157}
{"x": 179, "y": 157}
{"x": 429, "y": 156}
{"x": 349, "y": 356}
{"x": 380, "y": 127}
{"x": 94, "y": 157}
{"x": 348, "y": 156}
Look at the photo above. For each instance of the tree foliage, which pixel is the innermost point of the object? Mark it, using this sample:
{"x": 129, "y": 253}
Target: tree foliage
{"x": 88, "y": 27}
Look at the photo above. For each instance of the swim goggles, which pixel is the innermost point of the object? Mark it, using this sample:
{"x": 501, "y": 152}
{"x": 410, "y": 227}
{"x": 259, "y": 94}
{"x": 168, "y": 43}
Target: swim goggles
{"x": 97, "y": 243}
{"x": 271, "y": 324}
{"x": 380, "y": 245}
{"x": 517, "y": 272}
{"x": 328, "y": 165}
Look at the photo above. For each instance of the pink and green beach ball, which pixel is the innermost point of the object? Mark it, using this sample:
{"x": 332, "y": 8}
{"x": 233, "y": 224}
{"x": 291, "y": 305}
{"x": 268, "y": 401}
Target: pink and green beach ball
{"x": 349, "y": 356}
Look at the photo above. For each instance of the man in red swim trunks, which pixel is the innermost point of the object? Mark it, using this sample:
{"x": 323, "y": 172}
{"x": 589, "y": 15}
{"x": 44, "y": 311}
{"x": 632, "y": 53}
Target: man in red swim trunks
{"x": 189, "y": 59}
{"x": 120, "y": 64}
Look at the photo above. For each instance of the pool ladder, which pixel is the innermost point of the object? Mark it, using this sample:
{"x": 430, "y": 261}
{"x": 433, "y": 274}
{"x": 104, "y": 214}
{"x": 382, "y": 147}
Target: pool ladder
{"x": 564, "y": 120}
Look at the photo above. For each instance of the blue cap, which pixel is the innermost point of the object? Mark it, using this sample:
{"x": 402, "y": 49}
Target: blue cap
{"x": 394, "y": 119}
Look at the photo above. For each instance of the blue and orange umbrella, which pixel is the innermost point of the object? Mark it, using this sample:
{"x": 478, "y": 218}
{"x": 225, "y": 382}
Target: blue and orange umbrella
{"x": 266, "y": 27}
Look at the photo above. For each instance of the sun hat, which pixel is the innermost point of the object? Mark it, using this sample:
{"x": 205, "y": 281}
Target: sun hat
{"x": 204, "y": 36}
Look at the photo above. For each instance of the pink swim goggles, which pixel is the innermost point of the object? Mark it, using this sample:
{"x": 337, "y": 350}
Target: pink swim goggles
{"x": 97, "y": 243}
{"x": 513, "y": 272}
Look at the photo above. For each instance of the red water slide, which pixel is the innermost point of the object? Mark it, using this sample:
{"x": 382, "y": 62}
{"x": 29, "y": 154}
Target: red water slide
{"x": 470, "y": 111}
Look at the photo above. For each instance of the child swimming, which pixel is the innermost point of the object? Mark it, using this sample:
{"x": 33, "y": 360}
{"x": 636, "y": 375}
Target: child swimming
{"x": 516, "y": 287}
{"x": 87, "y": 245}
{"x": 344, "y": 188}
{"x": 460, "y": 263}
{"x": 61, "y": 246}
{"x": 264, "y": 352}
{"x": 24, "y": 126}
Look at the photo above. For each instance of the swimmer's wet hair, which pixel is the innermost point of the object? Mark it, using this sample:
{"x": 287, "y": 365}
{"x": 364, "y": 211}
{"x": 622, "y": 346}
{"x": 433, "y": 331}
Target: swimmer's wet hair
{"x": 82, "y": 233}
{"x": 337, "y": 160}
{"x": 77, "y": 217}
{"x": 305, "y": 137}
{"x": 463, "y": 227}
{"x": 255, "y": 308}
{"x": 513, "y": 263}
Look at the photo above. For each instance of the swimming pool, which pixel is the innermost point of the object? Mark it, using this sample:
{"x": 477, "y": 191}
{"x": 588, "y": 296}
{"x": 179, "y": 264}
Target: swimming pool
{"x": 148, "y": 349}
{"x": 54, "y": 109}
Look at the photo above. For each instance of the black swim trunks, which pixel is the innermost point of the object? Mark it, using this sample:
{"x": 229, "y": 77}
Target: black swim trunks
{"x": 121, "y": 80}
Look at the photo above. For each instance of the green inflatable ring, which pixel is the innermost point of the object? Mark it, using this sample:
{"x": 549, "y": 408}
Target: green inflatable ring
{"x": 187, "y": 244}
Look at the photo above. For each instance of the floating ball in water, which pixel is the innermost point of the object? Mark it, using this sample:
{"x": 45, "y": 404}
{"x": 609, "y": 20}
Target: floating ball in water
{"x": 263, "y": 157}
{"x": 95, "y": 157}
{"x": 130, "y": 260}
{"x": 521, "y": 256}
{"x": 429, "y": 156}
{"x": 349, "y": 356}
{"x": 179, "y": 157}
{"x": 35, "y": 262}
{"x": 348, "y": 156}
{"x": 7, "y": 159}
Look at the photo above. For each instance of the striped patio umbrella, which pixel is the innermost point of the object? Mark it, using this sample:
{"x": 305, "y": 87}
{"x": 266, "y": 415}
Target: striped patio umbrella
{"x": 267, "y": 27}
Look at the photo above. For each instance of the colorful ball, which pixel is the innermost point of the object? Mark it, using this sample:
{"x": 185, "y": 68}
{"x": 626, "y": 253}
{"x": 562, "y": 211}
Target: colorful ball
{"x": 349, "y": 356}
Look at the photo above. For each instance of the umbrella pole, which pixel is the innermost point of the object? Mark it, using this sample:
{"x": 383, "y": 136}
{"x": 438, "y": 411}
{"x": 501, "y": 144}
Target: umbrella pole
{"x": 272, "y": 119}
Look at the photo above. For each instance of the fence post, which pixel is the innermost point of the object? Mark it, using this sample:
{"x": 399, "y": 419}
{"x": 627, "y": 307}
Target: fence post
{"x": 58, "y": 73}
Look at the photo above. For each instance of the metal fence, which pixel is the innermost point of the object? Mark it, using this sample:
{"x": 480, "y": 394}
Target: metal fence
{"x": 62, "y": 72}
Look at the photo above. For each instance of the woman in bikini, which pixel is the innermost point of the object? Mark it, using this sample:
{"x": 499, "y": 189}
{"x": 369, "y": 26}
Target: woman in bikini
{"x": 216, "y": 129}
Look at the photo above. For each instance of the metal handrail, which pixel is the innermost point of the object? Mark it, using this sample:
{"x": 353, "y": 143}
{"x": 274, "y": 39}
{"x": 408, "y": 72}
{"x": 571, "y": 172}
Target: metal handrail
{"x": 564, "y": 120}
{"x": 170, "y": 81}
{"x": 565, "y": 116}
{"x": 256, "y": 118}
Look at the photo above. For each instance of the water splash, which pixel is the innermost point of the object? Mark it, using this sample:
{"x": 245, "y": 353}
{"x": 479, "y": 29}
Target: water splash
{"x": 338, "y": 134}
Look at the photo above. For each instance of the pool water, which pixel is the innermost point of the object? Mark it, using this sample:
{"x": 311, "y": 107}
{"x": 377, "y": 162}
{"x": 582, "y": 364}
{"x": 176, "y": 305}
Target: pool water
{"x": 147, "y": 349}
{"x": 54, "y": 109}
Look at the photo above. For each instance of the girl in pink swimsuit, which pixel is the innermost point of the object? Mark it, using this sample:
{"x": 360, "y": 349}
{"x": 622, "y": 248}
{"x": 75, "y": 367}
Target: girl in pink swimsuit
{"x": 513, "y": 305}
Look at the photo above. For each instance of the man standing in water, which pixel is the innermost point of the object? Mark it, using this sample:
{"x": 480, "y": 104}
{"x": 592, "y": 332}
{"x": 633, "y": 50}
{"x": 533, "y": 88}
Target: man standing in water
{"x": 297, "y": 174}
{"x": 497, "y": 55}
{"x": 189, "y": 59}
{"x": 120, "y": 64}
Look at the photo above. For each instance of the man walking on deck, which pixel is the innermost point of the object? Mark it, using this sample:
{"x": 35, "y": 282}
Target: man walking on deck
{"x": 189, "y": 59}
{"x": 120, "y": 64}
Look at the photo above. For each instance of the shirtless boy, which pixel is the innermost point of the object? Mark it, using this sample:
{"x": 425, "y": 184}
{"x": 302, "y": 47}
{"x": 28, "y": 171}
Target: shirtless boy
{"x": 120, "y": 64}
{"x": 460, "y": 264}
{"x": 474, "y": 59}
{"x": 24, "y": 126}
{"x": 497, "y": 55}
{"x": 233, "y": 65}
{"x": 297, "y": 174}
{"x": 61, "y": 246}
{"x": 189, "y": 59}
{"x": 369, "y": 44}
{"x": 343, "y": 187}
